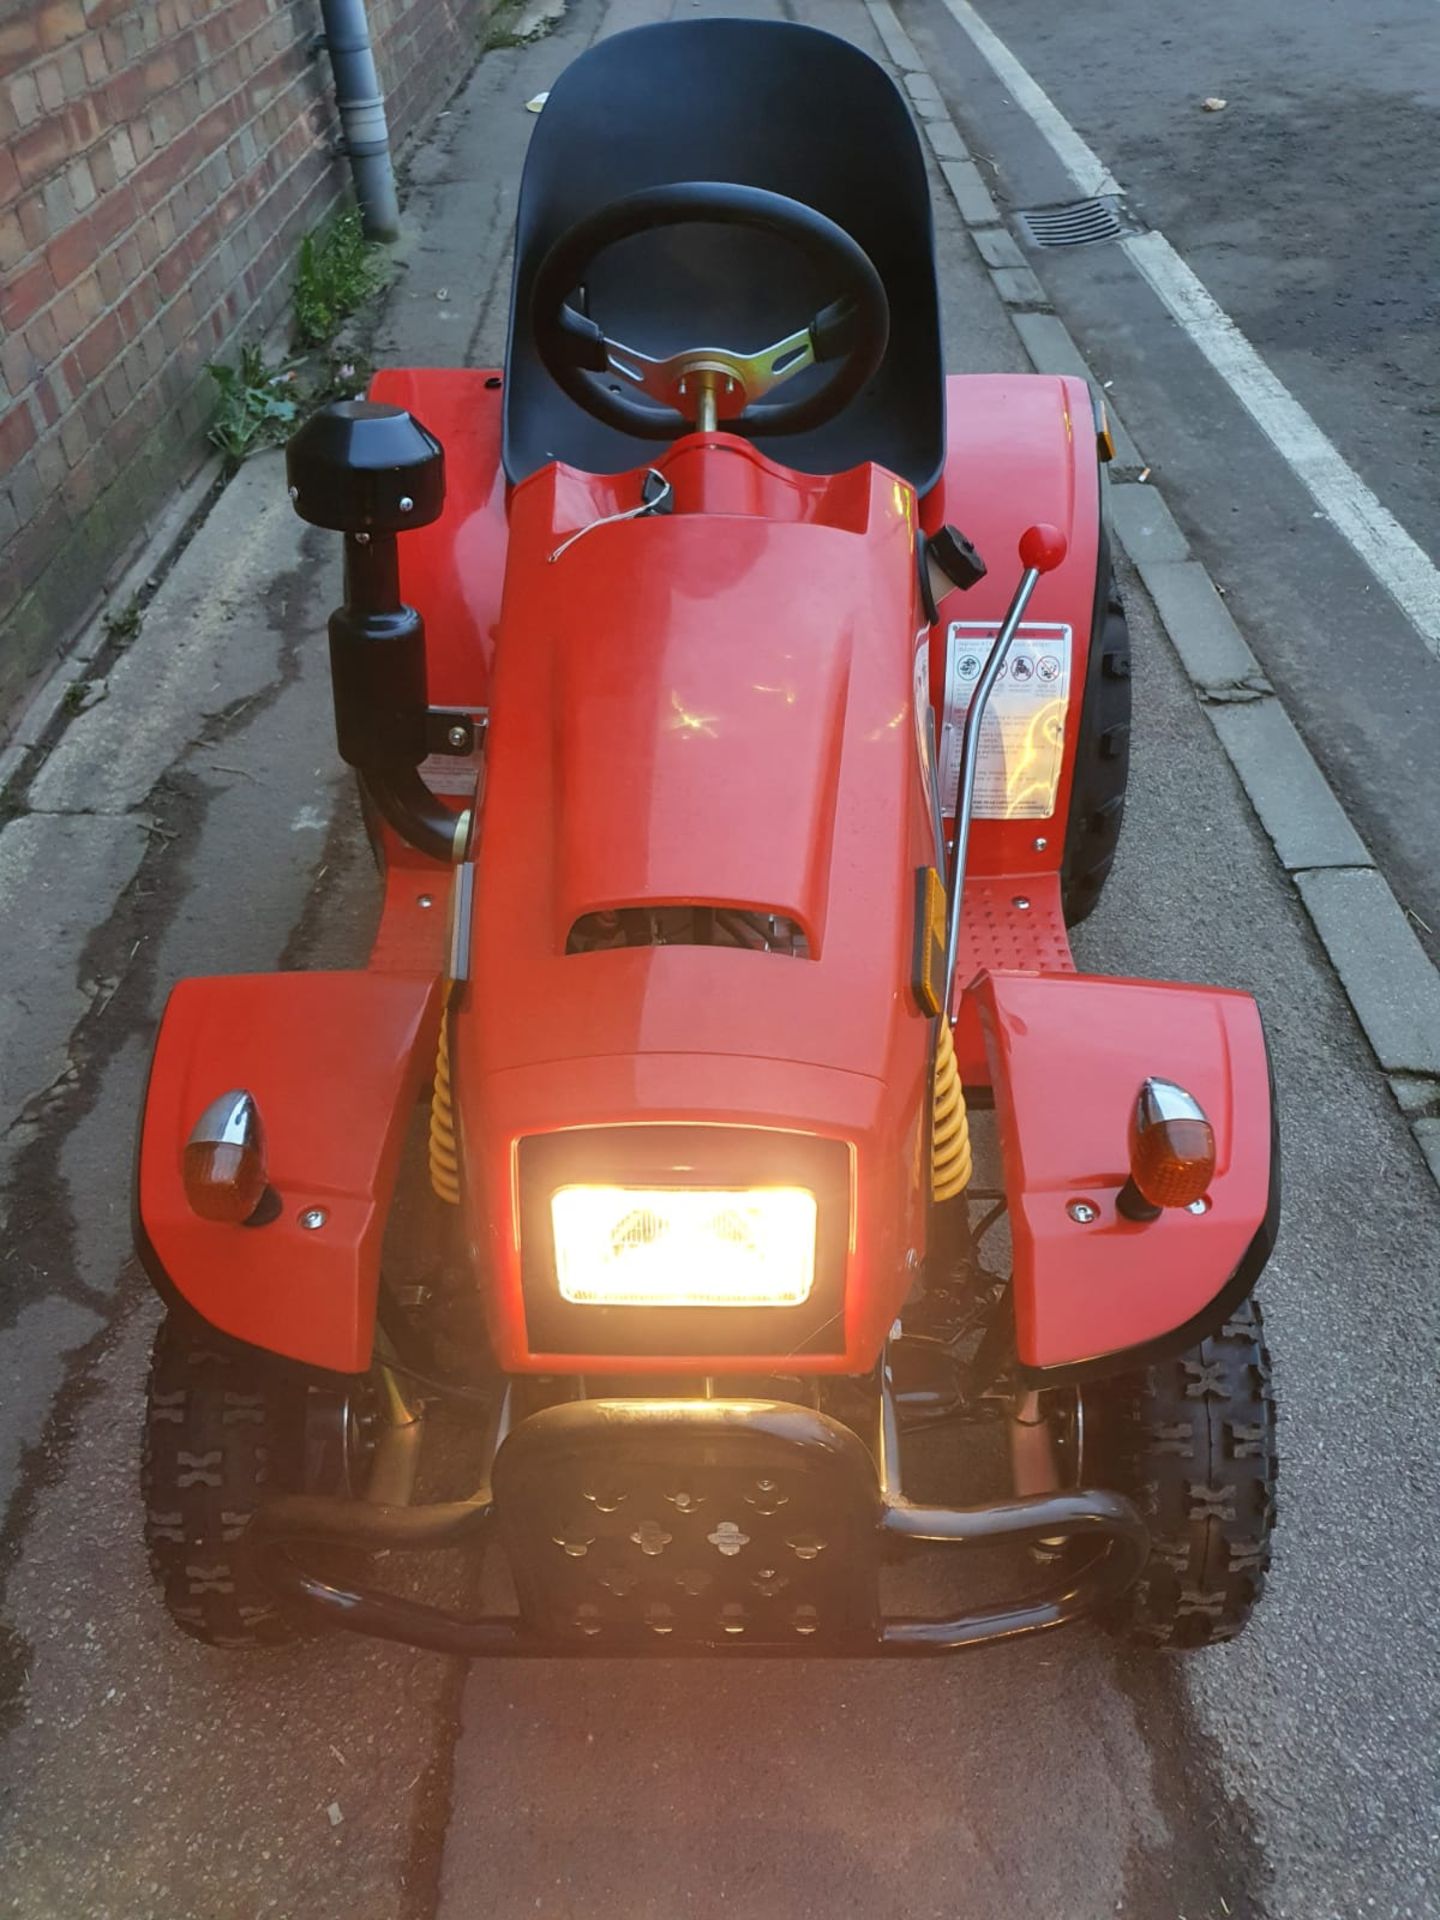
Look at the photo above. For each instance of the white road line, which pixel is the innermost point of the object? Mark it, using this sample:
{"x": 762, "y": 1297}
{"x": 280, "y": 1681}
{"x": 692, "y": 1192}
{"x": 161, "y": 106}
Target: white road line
{"x": 1084, "y": 166}
{"x": 1400, "y": 566}
{"x": 1397, "y": 561}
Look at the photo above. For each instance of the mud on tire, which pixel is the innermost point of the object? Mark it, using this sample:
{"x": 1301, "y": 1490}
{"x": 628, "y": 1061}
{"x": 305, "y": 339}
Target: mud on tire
{"x": 1192, "y": 1442}
{"x": 218, "y": 1437}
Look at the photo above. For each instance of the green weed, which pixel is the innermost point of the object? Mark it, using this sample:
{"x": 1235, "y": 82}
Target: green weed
{"x": 340, "y": 373}
{"x": 123, "y": 623}
{"x": 258, "y": 406}
{"x": 499, "y": 35}
{"x": 514, "y": 24}
{"x": 338, "y": 270}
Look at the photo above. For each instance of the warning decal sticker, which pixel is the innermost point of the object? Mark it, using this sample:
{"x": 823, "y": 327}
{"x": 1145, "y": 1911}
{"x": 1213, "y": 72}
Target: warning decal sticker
{"x": 1022, "y": 740}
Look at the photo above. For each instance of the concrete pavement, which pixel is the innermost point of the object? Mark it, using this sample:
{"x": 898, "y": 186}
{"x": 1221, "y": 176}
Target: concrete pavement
{"x": 196, "y": 820}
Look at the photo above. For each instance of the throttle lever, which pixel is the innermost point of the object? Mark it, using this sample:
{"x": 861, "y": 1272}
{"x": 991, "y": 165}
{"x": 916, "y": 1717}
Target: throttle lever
{"x": 1042, "y": 549}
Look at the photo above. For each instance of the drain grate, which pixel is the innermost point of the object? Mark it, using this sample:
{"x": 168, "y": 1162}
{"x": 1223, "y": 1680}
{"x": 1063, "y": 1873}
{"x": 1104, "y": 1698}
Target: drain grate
{"x": 1075, "y": 224}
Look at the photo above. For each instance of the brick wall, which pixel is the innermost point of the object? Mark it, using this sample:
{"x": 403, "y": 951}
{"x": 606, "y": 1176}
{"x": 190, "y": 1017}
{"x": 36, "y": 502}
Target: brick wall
{"x": 159, "y": 162}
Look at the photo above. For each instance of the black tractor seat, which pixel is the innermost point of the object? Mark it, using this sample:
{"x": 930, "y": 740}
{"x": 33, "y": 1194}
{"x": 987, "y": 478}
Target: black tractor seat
{"x": 754, "y": 103}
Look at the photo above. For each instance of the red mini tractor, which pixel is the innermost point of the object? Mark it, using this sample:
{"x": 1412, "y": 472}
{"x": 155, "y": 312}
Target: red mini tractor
{"x": 731, "y": 816}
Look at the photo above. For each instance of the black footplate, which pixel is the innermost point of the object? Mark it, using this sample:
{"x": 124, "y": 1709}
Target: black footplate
{"x": 635, "y": 1527}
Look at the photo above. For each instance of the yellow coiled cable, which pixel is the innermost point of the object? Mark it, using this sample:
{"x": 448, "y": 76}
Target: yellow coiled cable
{"x": 950, "y": 1140}
{"x": 444, "y": 1153}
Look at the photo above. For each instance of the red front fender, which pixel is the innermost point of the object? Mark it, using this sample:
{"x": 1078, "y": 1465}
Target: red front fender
{"x": 1067, "y": 1056}
{"x": 336, "y": 1062}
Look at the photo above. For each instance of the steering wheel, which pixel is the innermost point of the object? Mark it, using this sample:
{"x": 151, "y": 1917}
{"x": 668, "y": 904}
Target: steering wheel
{"x": 708, "y": 384}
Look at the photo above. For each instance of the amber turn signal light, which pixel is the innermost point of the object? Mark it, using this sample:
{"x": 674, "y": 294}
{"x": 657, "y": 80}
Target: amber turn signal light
{"x": 1172, "y": 1152}
{"x": 223, "y": 1168}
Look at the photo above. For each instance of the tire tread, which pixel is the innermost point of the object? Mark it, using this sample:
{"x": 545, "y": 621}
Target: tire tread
{"x": 205, "y": 1466}
{"x": 1192, "y": 1441}
{"x": 1102, "y": 761}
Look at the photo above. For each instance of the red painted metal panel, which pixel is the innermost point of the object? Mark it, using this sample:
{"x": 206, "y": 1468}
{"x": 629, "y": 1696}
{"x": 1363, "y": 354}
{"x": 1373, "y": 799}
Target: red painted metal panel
{"x": 880, "y": 1120}
{"x": 1068, "y": 1054}
{"x": 336, "y": 1062}
{"x": 713, "y": 705}
{"x": 1021, "y": 449}
{"x": 1012, "y": 923}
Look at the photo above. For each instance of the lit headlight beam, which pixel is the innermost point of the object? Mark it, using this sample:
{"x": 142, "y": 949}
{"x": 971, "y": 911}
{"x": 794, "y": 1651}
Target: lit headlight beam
{"x": 684, "y": 1247}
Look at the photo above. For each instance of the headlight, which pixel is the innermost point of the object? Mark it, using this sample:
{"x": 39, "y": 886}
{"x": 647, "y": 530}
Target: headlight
{"x": 670, "y": 1247}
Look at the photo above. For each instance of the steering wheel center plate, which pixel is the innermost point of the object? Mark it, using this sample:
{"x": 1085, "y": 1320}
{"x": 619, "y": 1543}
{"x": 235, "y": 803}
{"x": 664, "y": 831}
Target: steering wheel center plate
{"x": 712, "y": 379}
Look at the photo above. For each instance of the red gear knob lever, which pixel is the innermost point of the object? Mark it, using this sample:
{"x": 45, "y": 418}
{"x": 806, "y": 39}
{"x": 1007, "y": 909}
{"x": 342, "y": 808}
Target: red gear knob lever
{"x": 1043, "y": 547}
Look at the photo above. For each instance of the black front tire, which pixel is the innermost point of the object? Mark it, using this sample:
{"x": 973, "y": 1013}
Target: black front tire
{"x": 1102, "y": 755}
{"x": 1192, "y": 1442}
{"x": 222, "y": 1430}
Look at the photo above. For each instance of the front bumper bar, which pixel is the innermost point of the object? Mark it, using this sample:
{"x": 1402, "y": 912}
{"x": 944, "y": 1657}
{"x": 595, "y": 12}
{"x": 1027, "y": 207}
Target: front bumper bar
{"x": 734, "y": 1527}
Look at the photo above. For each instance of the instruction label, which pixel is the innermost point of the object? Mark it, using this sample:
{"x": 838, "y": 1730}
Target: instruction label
{"x": 1022, "y": 739}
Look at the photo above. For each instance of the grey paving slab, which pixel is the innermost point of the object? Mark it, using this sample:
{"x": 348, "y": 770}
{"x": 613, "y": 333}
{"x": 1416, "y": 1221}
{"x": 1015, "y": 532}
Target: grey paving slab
{"x": 898, "y": 44}
{"x": 1427, "y": 1138}
{"x": 60, "y": 877}
{"x": 1018, "y": 287}
{"x": 154, "y": 557}
{"x": 206, "y": 644}
{"x": 1145, "y": 525}
{"x": 998, "y": 247}
{"x": 924, "y": 95}
{"x": 1416, "y": 1094}
{"x": 972, "y": 196}
{"x": 144, "y": 1774}
{"x": 1321, "y": 1712}
{"x": 1296, "y": 807}
{"x": 1196, "y": 618}
{"x": 1389, "y": 980}
{"x": 1049, "y": 345}
{"x": 946, "y": 141}
{"x": 34, "y": 1350}
{"x": 99, "y": 1204}
{"x": 153, "y": 1777}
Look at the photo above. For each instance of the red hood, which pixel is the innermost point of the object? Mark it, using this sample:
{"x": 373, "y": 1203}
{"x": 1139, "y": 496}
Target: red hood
{"x": 708, "y": 707}
{"x": 698, "y": 749}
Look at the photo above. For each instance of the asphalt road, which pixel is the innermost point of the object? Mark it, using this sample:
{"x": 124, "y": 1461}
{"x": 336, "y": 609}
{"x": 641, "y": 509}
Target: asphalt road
{"x": 195, "y": 820}
{"x": 1310, "y": 209}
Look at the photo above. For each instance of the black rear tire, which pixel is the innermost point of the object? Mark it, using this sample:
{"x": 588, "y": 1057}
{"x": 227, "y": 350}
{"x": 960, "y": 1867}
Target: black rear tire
{"x": 1192, "y": 1442}
{"x": 222, "y": 1430}
{"x": 1102, "y": 755}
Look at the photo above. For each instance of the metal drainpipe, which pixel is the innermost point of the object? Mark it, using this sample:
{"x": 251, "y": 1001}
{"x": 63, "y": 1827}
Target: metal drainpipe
{"x": 362, "y": 115}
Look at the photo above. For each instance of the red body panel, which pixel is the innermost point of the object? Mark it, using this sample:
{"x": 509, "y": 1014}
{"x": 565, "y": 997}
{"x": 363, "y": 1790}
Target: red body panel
{"x": 712, "y": 706}
{"x": 882, "y": 1123}
{"x": 1069, "y": 1053}
{"x": 1012, "y": 922}
{"x": 335, "y": 1062}
{"x": 716, "y": 706}
{"x": 1021, "y": 449}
